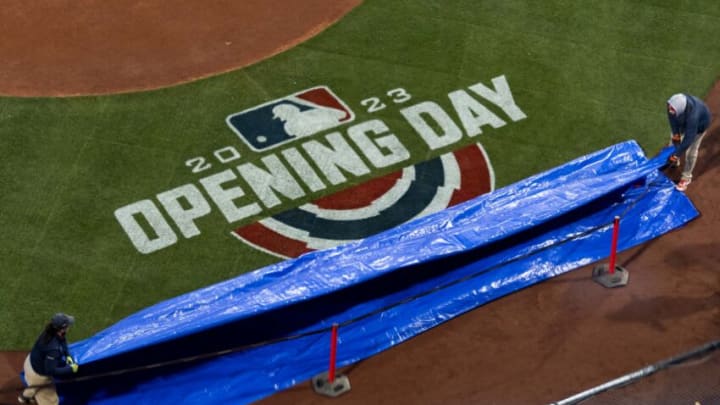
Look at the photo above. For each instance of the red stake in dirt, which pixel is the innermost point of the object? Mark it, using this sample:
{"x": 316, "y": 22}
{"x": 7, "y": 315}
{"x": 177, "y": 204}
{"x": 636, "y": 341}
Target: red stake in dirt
{"x": 328, "y": 383}
{"x": 333, "y": 351}
{"x": 613, "y": 247}
{"x": 612, "y": 275}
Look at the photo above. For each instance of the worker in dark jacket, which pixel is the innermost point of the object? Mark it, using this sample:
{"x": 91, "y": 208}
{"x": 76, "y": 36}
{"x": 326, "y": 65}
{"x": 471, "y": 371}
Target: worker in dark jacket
{"x": 49, "y": 358}
{"x": 689, "y": 120}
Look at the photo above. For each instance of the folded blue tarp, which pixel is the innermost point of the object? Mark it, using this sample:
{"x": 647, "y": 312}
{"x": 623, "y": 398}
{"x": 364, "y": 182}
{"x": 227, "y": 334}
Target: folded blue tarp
{"x": 381, "y": 290}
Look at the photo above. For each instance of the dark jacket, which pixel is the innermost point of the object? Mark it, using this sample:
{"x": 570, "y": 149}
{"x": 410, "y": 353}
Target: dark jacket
{"x": 48, "y": 357}
{"x": 692, "y": 122}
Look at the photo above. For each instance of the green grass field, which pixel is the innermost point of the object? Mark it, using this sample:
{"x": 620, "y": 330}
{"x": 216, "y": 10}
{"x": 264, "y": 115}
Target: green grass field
{"x": 586, "y": 74}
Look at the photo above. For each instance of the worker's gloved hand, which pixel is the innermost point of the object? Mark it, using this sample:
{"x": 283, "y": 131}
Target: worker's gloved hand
{"x": 676, "y": 139}
{"x": 74, "y": 367}
{"x": 69, "y": 360}
{"x": 673, "y": 161}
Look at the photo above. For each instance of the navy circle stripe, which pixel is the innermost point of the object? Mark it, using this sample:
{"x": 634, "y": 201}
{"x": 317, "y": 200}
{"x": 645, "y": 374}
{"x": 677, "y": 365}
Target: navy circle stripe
{"x": 429, "y": 175}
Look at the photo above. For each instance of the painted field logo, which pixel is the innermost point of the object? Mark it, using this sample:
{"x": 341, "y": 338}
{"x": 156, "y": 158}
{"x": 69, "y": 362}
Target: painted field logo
{"x": 299, "y": 115}
{"x": 323, "y": 150}
{"x": 374, "y": 206}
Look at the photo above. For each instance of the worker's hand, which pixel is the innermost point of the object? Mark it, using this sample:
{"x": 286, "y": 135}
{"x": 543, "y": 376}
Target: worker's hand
{"x": 69, "y": 360}
{"x": 74, "y": 367}
{"x": 676, "y": 139}
{"x": 673, "y": 161}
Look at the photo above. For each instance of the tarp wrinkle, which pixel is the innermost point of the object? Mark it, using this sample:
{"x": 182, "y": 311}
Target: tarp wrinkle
{"x": 383, "y": 289}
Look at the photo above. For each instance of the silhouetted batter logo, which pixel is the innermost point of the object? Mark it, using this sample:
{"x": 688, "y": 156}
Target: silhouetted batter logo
{"x": 298, "y": 115}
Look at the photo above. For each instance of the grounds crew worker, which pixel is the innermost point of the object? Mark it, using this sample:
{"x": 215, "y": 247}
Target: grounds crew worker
{"x": 689, "y": 120}
{"x": 49, "y": 358}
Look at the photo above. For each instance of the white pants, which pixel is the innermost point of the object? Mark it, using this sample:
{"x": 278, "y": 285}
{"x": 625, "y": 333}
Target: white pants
{"x": 45, "y": 395}
{"x": 691, "y": 155}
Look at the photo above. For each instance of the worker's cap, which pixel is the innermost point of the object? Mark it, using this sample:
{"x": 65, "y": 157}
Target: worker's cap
{"x": 678, "y": 103}
{"x": 61, "y": 320}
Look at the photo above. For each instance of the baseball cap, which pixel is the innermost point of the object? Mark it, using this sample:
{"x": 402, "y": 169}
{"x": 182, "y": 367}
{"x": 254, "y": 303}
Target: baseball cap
{"x": 61, "y": 320}
{"x": 678, "y": 103}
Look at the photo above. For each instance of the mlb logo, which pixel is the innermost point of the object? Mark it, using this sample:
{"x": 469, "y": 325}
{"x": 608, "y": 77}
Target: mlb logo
{"x": 298, "y": 115}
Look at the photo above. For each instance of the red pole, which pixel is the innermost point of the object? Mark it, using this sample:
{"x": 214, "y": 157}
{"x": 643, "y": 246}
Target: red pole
{"x": 333, "y": 350}
{"x": 613, "y": 248}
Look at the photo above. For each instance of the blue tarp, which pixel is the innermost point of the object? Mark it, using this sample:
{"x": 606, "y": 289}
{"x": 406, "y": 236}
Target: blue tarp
{"x": 381, "y": 290}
